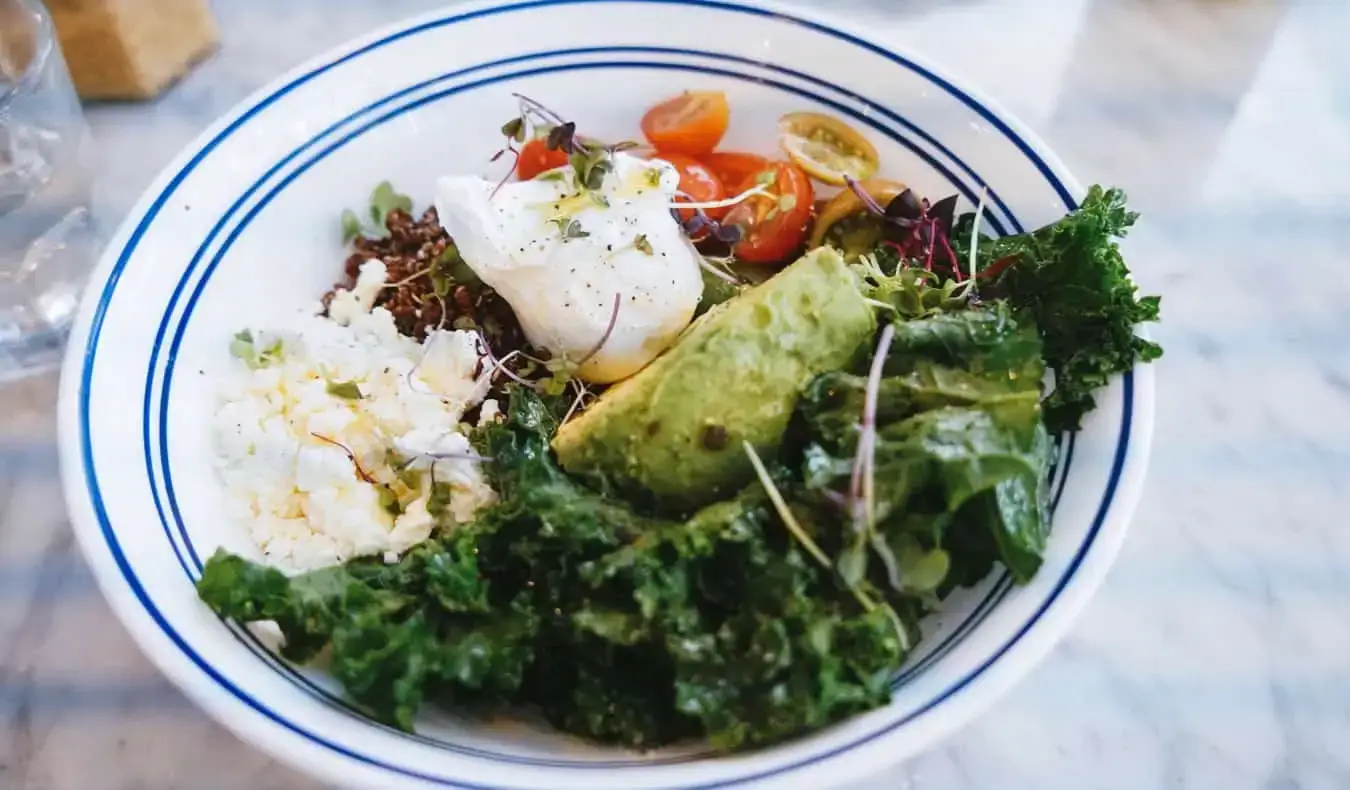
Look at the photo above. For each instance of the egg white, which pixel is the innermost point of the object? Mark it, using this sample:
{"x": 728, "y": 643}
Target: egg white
{"x": 563, "y": 287}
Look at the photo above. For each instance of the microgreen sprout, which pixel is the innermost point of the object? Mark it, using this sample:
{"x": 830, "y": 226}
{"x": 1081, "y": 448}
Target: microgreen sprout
{"x": 794, "y": 526}
{"x": 496, "y": 366}
{"x": 870, "y": 202}
{"x": 591, "y": 160}
{"x": 609, "y": 332}
{"x": 361, "y": 473}
{"x": 864, "y": 464}
{"x": 582, "y": 392}
{"x": 713, "y": 266}
{"x": 457, "y": 455}
{"x": 758, "y": 189}
{"x": 928, "y": 225}
{"x": 699, "y": 222}
{"x": 970, "y": 284}
{"x": 784, "y": 512}
{"x": 570, "y": 228}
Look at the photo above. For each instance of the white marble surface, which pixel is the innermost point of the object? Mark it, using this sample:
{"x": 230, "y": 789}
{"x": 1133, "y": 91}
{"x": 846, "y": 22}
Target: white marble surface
{"x": 1216, "y": 657}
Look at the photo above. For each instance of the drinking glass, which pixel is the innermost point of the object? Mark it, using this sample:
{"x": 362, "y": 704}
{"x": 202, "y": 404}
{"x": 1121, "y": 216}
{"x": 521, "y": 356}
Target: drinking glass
{"x": 48, "y": 239}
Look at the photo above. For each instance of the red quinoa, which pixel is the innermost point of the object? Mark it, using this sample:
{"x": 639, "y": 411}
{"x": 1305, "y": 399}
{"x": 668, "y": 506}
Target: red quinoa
{"x": 409, "y": 251}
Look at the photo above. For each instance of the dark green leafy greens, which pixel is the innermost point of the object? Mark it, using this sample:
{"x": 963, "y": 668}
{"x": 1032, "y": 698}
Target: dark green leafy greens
{"x": 1070, "y": 277}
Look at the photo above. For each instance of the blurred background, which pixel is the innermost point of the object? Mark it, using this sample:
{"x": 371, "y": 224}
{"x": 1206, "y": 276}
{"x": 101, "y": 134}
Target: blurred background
{"x": 1216, "y": 654}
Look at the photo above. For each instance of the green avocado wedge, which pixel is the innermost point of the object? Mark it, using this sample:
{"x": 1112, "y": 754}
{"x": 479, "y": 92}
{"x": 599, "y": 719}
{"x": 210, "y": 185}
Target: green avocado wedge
{"x": 675, "y": 429}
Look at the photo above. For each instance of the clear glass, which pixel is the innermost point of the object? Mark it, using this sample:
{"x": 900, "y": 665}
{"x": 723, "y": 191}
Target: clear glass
{"x": 48, "y": 239}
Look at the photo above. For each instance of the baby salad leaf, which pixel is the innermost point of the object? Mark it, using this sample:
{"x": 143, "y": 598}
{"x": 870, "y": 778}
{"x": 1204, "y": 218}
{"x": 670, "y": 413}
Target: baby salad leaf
{"x": 385, "y": 201}
{"x": 351, "y": 226}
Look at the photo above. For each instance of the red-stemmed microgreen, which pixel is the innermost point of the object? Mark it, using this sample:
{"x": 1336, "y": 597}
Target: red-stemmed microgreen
{"x": 360, "y": 472}
{"x": 699, "y": 224}
{"x": 926, "y": 226}
{"x": 608, "y": 333}
{"x": 855, "y": 186}
{"x": 565, "y": 370}
{"x": 495, "y": 365}
{"x": 864, "y": 460}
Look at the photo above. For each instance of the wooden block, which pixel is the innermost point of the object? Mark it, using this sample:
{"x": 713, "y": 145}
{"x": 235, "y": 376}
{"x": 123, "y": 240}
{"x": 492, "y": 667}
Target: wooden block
{"x": 131, "y": 49}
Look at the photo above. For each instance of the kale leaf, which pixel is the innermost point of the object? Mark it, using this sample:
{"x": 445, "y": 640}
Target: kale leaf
{"x": 1070, "y": 278}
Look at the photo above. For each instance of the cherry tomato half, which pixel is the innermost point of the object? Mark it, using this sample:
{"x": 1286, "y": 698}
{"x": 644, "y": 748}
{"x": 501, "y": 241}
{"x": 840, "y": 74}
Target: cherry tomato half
{"x": 826, "y": 147}
{"x": 774, "y": 225}
{"x": 847, "y": 205}
{"x": 692, "y": 123}
{"x": 734, "y": 167}
{"x": 536, "y": 158}
{"x": 699, "y": 183}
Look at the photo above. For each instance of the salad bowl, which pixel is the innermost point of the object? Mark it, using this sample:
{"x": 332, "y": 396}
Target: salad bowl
{"x": 241, "y": 228}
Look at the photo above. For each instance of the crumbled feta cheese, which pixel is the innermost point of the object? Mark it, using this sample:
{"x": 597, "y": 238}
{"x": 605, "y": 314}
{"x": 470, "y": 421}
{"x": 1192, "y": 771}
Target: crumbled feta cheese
{"x": 348, "y": 306}
{"x": 297, "y": 461}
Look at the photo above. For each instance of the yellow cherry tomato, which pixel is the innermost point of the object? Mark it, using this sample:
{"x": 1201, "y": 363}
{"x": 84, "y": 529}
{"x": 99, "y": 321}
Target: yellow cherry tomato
{"x": 826, "y": 148}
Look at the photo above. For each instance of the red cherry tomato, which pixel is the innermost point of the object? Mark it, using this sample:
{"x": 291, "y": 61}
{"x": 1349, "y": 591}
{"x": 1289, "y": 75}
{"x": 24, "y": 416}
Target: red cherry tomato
{"x": 774, "y": 226}
{"x": 698, "y": 182}
{"x": 536, "y": 158}
{"x": 734, "y": 167}
{"x": 692, "y": 123}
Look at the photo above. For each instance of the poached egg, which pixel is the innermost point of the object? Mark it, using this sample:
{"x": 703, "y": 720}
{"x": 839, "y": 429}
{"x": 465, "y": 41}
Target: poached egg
{"x": 563, "y": 256}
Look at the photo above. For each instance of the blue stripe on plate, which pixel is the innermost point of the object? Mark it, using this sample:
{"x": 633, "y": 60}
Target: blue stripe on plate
{"x": 102, "y": 306}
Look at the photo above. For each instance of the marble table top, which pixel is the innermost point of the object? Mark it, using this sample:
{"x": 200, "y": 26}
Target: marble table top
{"x": 1217, "y": 655}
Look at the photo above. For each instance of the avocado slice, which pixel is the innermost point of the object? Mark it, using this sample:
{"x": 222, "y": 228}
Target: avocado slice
{"x": 675, "y": 428}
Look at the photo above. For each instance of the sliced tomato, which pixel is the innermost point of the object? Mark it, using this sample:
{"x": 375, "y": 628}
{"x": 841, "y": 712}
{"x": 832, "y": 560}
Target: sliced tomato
{"x": 699, "y": 183}
{"x": 692, "y": 123}
{"x": 536, "y": 158}
{"x": 826, "y": 147}
{"x": 774, "y": 226}
{"x": 734, "y": 167}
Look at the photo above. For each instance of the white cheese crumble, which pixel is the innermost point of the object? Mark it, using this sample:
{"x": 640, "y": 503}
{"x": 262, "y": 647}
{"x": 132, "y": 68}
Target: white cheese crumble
{"x": 283, "y": 434}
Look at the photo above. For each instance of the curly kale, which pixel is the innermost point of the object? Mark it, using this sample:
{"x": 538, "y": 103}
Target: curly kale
{"x": 1069, "y": 276}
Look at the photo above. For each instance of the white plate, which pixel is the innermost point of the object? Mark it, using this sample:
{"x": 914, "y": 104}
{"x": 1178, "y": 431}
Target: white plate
{"x": 243, "y": 228}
